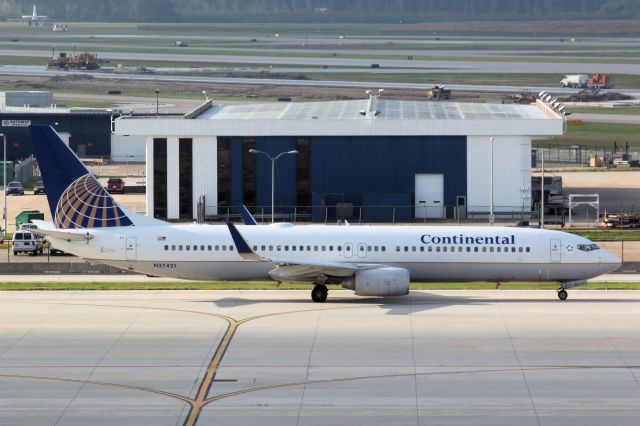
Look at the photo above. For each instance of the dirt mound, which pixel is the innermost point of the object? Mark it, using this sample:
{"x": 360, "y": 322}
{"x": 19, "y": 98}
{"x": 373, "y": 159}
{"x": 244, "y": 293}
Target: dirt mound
{"x": 596, "y": 97}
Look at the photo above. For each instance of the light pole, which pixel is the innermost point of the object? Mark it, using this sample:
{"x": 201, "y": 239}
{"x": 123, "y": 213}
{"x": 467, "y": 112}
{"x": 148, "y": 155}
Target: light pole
{"x": 273, "y": 174}
{"x": 492, "y": 217}
{"x": 4, "y": 179}
{"x": 157, "y": 102}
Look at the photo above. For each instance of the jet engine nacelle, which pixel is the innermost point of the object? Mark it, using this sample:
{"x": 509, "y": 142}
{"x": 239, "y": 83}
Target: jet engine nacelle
{"x": 379, "y": 282}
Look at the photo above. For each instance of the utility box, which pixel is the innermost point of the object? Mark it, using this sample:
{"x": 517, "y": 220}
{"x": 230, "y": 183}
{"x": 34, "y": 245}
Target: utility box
{"x": 10, "y": 171}
{"x": 27, "y": 217}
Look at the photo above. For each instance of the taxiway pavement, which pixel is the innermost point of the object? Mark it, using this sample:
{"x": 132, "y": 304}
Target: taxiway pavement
{"x": 275, "y": 358}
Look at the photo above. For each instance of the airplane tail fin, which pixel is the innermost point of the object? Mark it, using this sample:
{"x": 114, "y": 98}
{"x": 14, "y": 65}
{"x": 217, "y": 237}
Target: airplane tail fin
{"x": 76, "y": 198}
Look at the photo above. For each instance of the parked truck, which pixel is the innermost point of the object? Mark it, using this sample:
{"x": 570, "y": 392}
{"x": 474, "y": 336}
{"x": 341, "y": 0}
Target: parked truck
{"x": 601, "y": 80}
{"x": 575, "y": 81}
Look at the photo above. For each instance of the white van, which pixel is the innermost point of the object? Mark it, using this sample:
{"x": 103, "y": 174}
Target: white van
{"x": 26, "y": 242}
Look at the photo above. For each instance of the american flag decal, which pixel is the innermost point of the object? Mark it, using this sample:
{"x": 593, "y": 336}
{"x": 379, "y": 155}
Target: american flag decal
{"x": 162, "y": 238}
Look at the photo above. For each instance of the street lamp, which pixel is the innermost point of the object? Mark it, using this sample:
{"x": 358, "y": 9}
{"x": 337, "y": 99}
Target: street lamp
{"x": 4, "y": 178}
{"x": 206, "y": 95}
{"x": 273, "y": 174}
{"x": 492, "y": 217}
{"x": 157, "y": 102}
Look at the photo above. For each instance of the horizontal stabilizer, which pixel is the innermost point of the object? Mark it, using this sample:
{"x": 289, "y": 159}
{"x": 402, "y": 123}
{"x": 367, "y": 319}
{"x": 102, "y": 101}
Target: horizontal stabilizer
{"x": 46, "y": 229}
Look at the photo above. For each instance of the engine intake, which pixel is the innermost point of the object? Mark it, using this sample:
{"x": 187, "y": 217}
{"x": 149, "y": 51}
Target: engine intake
{"x": 379, "y": 282}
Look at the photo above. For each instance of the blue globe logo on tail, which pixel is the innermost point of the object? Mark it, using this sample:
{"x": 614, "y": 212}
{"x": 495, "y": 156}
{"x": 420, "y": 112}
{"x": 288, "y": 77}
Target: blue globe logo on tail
{"x": 86, "y": 204}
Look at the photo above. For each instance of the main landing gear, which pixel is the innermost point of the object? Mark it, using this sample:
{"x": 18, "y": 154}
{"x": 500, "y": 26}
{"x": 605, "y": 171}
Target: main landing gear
{"x": 319, "y": 293}
{"x": 562, "y": 293}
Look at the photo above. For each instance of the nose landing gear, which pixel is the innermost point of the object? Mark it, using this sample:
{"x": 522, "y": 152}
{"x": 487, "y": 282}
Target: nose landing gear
{"x": 562, "y": 293}
{"x": 319, "y": 293}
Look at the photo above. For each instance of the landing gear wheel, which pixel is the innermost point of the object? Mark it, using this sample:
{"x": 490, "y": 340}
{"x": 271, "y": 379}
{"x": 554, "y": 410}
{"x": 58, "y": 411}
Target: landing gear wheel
{"x": 319, "y": 293}
{"x": 562, "y": 294}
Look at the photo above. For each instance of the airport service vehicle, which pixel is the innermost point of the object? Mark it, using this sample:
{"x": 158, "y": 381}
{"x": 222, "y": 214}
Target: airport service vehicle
{"x": 575, "y": 81}
{"x": 115, "y": 185}
{"x": 14, "y": 188}
{"x": 26, "y": 242}
{"x": 372, "y": 260}
{"x": 38, "y": 188}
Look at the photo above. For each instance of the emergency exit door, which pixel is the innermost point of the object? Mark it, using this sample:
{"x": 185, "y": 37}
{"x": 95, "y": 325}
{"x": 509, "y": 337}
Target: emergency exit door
{"x": 429, "y": 192}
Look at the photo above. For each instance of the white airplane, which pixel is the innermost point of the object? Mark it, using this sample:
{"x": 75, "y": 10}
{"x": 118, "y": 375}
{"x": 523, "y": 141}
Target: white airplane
{"x": 371, "y": 260}
{"x": 34, "y": 17}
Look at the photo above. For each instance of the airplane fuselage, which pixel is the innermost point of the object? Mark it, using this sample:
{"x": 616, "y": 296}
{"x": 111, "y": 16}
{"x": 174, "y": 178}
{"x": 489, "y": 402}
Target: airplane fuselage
{"x": 441, "y": 253}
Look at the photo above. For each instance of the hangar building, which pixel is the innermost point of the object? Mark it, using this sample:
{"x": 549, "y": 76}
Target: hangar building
{"x": 389, "y": 159}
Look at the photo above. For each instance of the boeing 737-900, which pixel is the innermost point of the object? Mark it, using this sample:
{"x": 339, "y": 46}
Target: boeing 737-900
{"x": 371, "y": 260}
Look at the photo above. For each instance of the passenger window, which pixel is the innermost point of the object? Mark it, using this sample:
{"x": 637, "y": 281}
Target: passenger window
{"x": 195, "y": 248}
{"x": 499, "y": 249}
{"x": 270, "y": 248}
{"x": 397, "y": 248}
{"x": 201, "y": 248}
{"x": 384, "y": 248}
{"x": 27, "y": 236}
{"x": 513, "y": 249}
{"x": 339, "y": 248}
{"x": 230, "y": 248}
{"x": 279, "y": 248}
{"x": 166, "y": 248}
{"x": 528, "y": 249}
{"x": 406, "y": 248}
{"x": 324, "y": 248}
{"x": 315, "y": 248}
{"x": 468, "y": 249}
{"x": 369, "y": 248}
{"x": 430, "y": 249}
{"x": 301, "y": 248}
{"x": 173, "y": 248}
{"x": 188, "y": 247}
{"x": 460, "y": 249}
{"x": 286, "y": 248}
{"x": 422, "y": 248}
{"x": 330, "y": 248}
{"x": 209, "y": 248}
{"x": 180, "y": 247}
{"x": 262, "y": 248}
{"x": 491, "y": 249}
{"x": 224, "y": 248}
{"x": 255, "y": 248}
{"x": 293, "y": 248}
{"x": 475, "y": 249}
{"x": 520, "y": 249}
{"x": 413, "y": 248}
{"x": 308, "y": 248}
{"x": 444, "y": 249}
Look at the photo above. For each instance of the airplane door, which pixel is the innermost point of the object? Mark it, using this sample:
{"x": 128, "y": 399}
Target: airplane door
{"x": 362, "y": 250}
{"x": 348, "y": 250}
{"x": 131, "y": 248}
{"x": 556, "y": 254}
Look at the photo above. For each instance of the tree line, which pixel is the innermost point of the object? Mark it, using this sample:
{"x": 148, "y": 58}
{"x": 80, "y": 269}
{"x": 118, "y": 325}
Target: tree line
{"x": 322, "y": 10}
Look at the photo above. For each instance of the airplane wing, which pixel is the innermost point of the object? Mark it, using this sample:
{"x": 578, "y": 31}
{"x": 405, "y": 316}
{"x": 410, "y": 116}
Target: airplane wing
{"x": 297, "y": 269}
{"x": 47, "y": 229}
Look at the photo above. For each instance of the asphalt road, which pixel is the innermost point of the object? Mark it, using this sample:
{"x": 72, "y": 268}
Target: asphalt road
{"x": 474, "y": 66}
{"x": 18, "y": 71}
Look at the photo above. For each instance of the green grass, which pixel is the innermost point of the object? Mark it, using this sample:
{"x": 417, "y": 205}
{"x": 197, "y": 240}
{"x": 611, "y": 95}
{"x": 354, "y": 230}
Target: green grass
{"x": 79, "y": 286}
{"x": 614, "y": 111}
{"x": 609, "y": 235}
{"x": 592, "y": 135}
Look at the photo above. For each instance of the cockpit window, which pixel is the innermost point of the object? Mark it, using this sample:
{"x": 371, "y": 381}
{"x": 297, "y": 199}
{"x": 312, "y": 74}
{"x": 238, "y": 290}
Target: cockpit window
{"x": 588, "y": 247}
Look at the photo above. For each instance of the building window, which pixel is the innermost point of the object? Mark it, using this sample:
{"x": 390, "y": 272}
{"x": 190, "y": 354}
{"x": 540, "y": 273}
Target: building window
{"x": 186, "y": 178}
{"x": 160, "y": 178}
{"x": 303, "y": 175}
{"x": 224, "y": 172}
{"x": 249, "y": 172}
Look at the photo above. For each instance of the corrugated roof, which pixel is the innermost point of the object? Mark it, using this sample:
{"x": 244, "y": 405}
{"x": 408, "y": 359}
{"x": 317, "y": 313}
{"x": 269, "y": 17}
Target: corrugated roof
{"x": 387, "y": 109}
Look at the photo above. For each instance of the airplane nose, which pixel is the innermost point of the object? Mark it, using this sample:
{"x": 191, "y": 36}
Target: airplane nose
{"x": 611, "y": 261}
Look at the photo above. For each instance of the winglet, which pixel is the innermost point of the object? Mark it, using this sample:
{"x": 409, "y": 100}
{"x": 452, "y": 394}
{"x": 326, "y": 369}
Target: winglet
{"x": 247, "y": 217}
{"x": 241, "y": 245}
